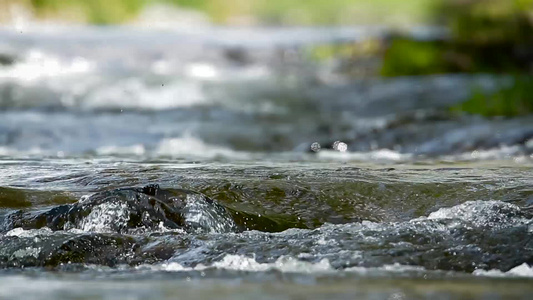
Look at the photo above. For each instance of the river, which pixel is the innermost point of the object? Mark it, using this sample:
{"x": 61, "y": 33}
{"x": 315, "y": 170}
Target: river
{"x": 330, "y": 185}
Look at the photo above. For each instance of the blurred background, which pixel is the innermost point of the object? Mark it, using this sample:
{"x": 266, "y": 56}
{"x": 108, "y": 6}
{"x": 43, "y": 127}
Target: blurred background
{"x": 414, "y": 77}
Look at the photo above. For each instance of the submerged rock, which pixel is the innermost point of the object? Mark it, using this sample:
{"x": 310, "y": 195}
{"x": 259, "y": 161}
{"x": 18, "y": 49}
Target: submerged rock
{"x": 129, "y": 209}
{"x": 7, "y": 59}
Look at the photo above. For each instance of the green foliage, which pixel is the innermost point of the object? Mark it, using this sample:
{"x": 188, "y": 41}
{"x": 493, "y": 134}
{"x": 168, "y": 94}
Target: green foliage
{"x": 94, "y": 11}
{"x": 408, "y": 57}
{"x": 509, "y": 101}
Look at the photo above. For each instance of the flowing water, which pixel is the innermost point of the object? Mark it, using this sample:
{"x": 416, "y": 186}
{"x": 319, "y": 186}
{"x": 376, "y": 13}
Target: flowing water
{"x": 279, "y": 176}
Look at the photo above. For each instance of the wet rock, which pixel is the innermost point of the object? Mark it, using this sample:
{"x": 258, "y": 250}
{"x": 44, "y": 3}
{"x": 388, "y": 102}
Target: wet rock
{"x": 129, "y": 209}
{"x": 52, "y": 250}
{"x": 44, "y": 248}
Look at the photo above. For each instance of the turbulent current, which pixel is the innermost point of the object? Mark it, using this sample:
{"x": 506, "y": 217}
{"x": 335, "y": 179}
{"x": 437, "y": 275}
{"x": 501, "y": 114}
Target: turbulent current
{"x": 229, "y": 163}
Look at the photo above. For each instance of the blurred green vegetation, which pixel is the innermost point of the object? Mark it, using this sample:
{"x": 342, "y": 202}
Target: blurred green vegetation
{"x": 487, "y": 36}
{"x": 495, "y": 36}
{"x": 328, "y": 12}
{"x": 511, "y": 100}
{"x": 486, "y": 22}
{"x": 364, "y": 48}
{"x": 409, "y": 57}
{"x": 92, "y": 11}
{"x": 270, "y": 12}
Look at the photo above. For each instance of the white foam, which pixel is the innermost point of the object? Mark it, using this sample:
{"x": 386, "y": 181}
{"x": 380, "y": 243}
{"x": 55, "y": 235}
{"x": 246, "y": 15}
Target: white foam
{"x": 243, "y": 263}
{"x": 283, "y": 264}
{"x": 394, "y": 268}
{"x": 28, "y": 233}
{"x": 39, "y": 65}
{"x": 523, "y": 270}
{"x": 201, "y": 71}
{"x": 187, "y": 145}
{"x": 502, "y": 152}
{"x": 384, "y": 155}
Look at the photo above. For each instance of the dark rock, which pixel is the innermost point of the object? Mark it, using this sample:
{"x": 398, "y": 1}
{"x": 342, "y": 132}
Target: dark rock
{"x": 6, "y": 59}
{"x": 126, "y": 209}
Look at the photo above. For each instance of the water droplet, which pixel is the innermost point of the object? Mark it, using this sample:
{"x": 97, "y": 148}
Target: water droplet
{"x": 340, "y": 146}
{"x": 315, "y": 147}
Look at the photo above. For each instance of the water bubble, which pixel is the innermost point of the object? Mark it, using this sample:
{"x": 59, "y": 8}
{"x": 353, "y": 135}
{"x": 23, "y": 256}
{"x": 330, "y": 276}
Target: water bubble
{"x": 340, "y": 146}
{"x": 315, "y": 147}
